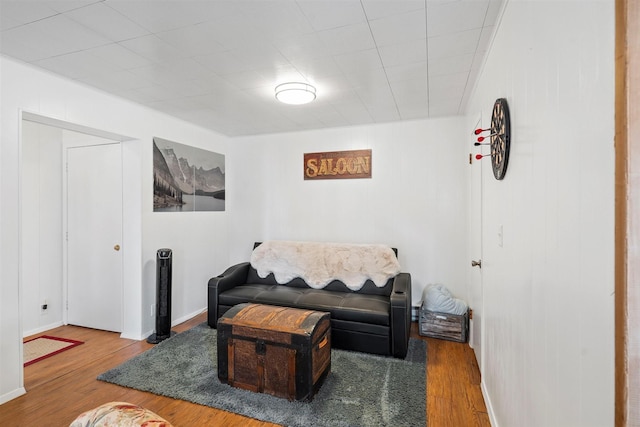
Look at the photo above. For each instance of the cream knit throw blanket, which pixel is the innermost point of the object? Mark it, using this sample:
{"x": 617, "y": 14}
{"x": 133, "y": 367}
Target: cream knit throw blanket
{"x": 320, "y": 263}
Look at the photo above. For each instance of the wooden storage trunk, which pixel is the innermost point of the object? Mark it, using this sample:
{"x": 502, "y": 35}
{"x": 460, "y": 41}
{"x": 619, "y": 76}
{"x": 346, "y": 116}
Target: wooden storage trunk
{"x": 285, "y": 352}
{"x": 445, "y": 326}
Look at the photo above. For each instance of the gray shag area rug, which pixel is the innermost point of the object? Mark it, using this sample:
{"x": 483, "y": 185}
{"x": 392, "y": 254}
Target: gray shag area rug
{"x": 361, "y": 390}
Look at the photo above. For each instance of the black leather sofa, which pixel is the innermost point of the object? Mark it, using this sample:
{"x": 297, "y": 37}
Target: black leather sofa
{"x": 372, "y": 319}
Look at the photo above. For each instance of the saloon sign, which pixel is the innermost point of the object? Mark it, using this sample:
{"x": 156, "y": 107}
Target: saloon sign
{"x": 338, "y": 165}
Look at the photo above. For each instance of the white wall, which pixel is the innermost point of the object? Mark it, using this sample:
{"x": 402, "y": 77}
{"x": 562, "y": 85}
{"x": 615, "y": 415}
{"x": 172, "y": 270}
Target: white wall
{"x": 548, "y": 344}
{"x": 415, "y": 200}
{"x": 199, "y": 240}
{"x": 41, "y": 225}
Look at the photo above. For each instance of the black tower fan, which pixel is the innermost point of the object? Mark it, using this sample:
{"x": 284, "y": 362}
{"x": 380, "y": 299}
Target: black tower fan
{"x": 163, "y": 297}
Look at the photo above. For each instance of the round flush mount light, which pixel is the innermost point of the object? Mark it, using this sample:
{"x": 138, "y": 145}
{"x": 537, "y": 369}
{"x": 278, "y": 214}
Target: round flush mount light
{"x": 295, "y": 93}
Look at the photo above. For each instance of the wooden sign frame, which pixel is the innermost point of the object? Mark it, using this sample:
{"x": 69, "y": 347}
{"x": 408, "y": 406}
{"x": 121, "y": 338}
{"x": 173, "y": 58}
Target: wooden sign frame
{"x": 337, "y": 165}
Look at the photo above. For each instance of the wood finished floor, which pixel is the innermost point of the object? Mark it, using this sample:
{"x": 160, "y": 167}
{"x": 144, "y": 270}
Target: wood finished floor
{"x": 62, "y": 386}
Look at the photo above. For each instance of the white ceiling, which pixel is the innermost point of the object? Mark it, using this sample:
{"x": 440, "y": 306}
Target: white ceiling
{"x": 216, "y": 63}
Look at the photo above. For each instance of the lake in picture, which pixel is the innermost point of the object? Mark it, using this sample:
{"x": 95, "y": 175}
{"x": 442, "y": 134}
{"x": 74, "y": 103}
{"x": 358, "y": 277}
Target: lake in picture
{"x": 195, "y": 203}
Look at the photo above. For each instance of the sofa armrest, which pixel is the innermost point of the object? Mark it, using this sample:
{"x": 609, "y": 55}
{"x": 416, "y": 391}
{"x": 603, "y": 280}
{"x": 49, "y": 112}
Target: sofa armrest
{"x": 400, "y": 315}
{"x": 232, "y": 277}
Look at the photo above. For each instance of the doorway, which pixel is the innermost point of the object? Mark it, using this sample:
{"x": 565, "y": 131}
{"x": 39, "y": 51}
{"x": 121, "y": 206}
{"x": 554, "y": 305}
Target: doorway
{"x": 43, "y": 257}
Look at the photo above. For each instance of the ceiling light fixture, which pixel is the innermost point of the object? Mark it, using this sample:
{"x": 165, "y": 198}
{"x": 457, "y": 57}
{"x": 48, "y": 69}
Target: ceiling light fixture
{"x": 295, "y": 93}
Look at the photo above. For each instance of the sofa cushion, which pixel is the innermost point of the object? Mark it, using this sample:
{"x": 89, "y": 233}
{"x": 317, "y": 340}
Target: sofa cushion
{"x": 368, "y": 288}
{"x": 348, "y": 306}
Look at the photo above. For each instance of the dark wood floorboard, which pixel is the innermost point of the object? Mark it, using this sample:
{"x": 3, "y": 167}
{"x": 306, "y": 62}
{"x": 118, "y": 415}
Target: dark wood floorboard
{"x": 62, "y": 386}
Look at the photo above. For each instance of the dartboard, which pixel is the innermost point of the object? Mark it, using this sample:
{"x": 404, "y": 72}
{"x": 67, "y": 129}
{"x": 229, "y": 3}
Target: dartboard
{"x": 500, "y": 138}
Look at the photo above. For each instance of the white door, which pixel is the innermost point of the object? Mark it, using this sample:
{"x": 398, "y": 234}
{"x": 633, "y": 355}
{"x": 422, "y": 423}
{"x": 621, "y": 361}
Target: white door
{"x": 94, "y": 234}
{"x": 475, "y": 252}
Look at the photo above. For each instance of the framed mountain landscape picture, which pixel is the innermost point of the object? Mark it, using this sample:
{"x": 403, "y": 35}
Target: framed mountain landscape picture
{"x": 186, "y": 178}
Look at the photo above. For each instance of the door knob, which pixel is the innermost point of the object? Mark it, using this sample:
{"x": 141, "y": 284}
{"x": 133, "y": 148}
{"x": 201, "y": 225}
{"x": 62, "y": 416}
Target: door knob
{"x": 476, "y": 263}
{"x": 116, "y": 247}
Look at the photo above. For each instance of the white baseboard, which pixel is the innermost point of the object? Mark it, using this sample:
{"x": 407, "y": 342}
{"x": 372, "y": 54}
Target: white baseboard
{"x": 135, "y": 337}
{"x": 487, "y": 403}
{"x": 12, "y": 395}
{"x": 188, "y": 316}
{"x": 41, "y": 329}
{"x": 174, "y": 323}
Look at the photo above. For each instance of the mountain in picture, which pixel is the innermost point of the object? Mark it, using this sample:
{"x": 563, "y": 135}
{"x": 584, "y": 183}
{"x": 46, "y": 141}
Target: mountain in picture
{"x": 166, "y": 191}
{"x": 182, "y": 170}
